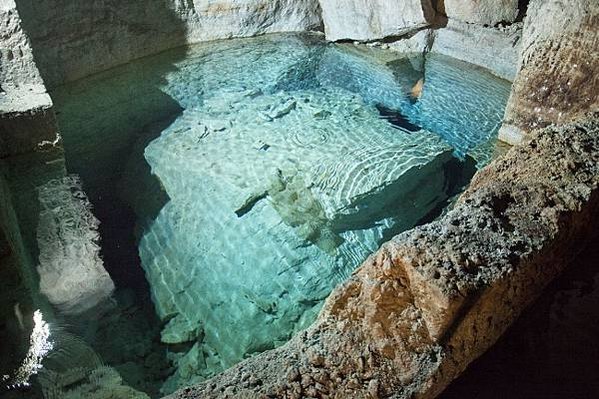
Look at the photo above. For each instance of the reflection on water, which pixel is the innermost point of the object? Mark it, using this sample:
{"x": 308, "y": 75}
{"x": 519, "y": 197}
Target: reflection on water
{"x": 249, "y": 178}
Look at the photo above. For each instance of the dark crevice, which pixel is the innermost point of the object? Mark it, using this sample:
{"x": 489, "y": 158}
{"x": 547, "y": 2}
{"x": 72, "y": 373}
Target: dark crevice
{"x": 522, "y": 8}
{"x": 397, "y": 119}
{"x": 250, "y": 203}
{"x": 457, "y": 174}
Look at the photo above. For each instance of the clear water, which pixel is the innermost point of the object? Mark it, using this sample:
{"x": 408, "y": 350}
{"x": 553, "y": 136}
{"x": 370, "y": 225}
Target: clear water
{"x": 247, "y": 178}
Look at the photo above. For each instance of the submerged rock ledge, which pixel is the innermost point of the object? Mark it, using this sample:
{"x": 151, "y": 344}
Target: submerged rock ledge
{"x": 430, "y": 301}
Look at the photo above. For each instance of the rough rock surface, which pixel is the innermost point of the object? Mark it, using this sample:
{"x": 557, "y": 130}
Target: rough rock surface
{"x": 16, "y": 58}
{"x": 372, "y": 20}
{"x": 27, "y": 120}
{"x": 73, "y": 39}
{"x": 433, "y": 299}
{"x": 483, "y": 12}
{"x": 558, "y": 78}
{"x": 495, "y": 49}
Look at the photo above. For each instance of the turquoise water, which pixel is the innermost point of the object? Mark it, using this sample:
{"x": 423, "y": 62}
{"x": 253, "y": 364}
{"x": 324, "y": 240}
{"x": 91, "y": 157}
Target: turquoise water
{"x": 238, "y": 182}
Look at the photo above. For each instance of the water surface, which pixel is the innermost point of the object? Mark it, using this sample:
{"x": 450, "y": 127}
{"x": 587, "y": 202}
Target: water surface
{"x": 238, "y": 182}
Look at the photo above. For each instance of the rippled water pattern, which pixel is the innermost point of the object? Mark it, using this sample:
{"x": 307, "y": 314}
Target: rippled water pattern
{"x": 278, "y": 175}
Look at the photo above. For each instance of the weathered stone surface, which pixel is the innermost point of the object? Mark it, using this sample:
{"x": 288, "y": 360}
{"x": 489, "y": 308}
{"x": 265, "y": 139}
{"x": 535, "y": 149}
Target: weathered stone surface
{"x": 372, "y": 20}
{"x": 433, "y": 299}
{"x": 558, "y": 78}
{"x": 495, "y": 49}
{"x": 27, "y": 120}
{"x": 16, "y": 58}
{"x": 483, "y": 12}
{"x": 73, "y": 39}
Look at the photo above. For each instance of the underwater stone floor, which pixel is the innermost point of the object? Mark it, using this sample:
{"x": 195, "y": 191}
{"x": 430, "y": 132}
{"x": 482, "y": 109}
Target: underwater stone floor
{"x": 249, "y": 177}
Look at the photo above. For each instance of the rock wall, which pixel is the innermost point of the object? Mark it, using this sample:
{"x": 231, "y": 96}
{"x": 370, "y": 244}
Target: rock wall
{"x": 15, "y": 283}
{"x": 458, "y": 28}
{"x": 374, "y": 20}
{"x": 16, "y": 56}
{"x": 495, "y": 49}
{"x": 26, "y": 117}
{"x": 558, "y": 78}
{"x": 73, "y": 39}
{"x": 482, "y": 12}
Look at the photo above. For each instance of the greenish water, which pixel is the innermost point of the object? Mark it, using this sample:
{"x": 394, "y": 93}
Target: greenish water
{"x": 238, "y": 182}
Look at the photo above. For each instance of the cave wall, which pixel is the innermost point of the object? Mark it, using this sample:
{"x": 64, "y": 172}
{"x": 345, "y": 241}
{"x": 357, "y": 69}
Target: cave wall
{"x": 16, "y": 56}
{"x": 374, "y": 20}
{"x": 395, "y": 327}
{"x": 482, "y": 12}
{"x": 558, "y": 68}
{"x": 73, "y": 39}
{"x": 485, "y": 33}
{"x": 493, "y": 48}
{"x": 26, "y": 116}
{"x": 16, "y": 295}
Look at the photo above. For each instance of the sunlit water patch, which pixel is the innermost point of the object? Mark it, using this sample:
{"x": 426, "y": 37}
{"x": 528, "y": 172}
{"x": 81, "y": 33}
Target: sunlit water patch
{"x": 257, "y": 174}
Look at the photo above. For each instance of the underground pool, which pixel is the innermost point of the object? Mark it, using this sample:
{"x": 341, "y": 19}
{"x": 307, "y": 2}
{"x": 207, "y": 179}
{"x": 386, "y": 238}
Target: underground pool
{"x": 236, "y": 183}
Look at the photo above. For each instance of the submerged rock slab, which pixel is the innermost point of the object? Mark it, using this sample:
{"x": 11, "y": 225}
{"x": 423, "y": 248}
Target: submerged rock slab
{"x": 472, "y": 108}
{"x": 433, "y": 299}
{"x": 384, "y": 80}
{"x": 296, "y": 204}
{"x": 72, "y": 275}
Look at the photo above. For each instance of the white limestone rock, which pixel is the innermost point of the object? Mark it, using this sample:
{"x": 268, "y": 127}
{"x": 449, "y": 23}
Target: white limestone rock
{"x": 242, "y": 18}
{"x": 483, "y": 12}
{"x": 495, "y": 49}
{"x": 368, "y": 20}
{"x": 74, "y": 39}
{"x": 510, "y": 134}
{"x": 16, "y": 57}
{"x": 27, "y": 120}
